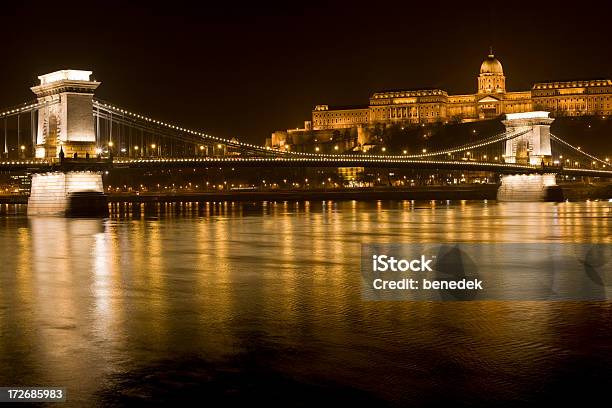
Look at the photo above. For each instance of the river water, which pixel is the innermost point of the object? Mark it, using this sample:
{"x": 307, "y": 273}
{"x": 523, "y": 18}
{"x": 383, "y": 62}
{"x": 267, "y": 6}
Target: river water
{"x": 233, "y": 304}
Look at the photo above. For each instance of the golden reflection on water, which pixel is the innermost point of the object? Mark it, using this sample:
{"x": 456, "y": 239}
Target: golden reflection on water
{"x": 83, "y": 299}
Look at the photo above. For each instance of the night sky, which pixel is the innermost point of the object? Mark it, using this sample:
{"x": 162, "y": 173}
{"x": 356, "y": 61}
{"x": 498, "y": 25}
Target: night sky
{"x": 237, "y": 71}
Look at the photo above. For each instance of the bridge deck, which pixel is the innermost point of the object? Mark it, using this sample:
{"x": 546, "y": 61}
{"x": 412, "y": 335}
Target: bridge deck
{"x": 44, "y": 165}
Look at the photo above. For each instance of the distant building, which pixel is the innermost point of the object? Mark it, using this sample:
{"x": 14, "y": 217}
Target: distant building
{"x": 567, "y": 98}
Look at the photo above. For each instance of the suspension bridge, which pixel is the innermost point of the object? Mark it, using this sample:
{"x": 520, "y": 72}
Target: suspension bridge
{"x": 67, "y": 136}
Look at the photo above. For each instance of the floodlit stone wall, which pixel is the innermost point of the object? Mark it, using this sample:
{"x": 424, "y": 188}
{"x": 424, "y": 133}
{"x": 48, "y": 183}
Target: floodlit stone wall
{"x": 525, "y": 187}
{"x": 50, "y": 191}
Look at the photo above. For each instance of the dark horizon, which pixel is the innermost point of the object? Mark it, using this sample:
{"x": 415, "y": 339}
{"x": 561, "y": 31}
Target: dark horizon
{"x": 247, "y": 71}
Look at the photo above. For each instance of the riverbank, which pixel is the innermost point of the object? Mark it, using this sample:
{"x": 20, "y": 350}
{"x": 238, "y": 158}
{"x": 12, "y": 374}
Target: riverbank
{"x": 464, "y": 192}
{"x": 572, "y": 192}
{"x": 476, "y": 192}
{"x": 581, "y": 192}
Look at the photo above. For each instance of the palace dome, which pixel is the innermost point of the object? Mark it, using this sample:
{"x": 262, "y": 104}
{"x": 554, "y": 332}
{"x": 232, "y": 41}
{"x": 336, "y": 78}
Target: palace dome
{"x": 491, "y": 65}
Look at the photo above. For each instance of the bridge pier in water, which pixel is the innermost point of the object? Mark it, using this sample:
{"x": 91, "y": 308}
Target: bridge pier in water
{"x": 72, "y": 193}
{"x": 66, "y": 127}
{"x": 533, "y": 148}
{"x": 529, "y": 187}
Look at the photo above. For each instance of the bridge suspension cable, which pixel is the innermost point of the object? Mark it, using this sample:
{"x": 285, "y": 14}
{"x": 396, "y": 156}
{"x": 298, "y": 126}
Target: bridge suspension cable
{"x": 105, "y": 109}
{"x": 203, "y": 137}
{"x": 590, "y": 156}
{"x": 470, "y": 146}
{"x": 24, "y": 108}
{"x": 117, "y": 119}
{"x": 147, "y": 123}
{"x": 462, "y": 148}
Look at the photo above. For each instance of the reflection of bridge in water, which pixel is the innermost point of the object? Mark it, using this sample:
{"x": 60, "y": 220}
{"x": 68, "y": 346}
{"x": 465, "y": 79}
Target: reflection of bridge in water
{"x": 73, "y": 136}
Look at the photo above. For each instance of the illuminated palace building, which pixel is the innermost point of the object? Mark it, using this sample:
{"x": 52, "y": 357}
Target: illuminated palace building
{"x": 561, "y": 98}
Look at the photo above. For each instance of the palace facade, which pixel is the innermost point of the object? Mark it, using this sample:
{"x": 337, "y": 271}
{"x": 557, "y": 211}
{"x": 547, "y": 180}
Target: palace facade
{"x": 561, "y": 98}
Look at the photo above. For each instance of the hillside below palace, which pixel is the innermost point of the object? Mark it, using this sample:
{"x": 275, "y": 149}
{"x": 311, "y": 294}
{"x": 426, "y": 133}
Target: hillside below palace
{"x": 409, "y": 107}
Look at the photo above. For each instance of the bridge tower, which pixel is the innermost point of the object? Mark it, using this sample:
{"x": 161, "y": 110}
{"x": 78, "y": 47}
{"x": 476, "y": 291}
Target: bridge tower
{"x": 66, "y": 124}
{"x": 534, "y": 146}
{"x": 531, "y": 148}
{"x": 66, "y": 118}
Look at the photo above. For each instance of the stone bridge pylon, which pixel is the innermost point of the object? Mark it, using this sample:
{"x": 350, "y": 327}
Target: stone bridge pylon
{"x": 65, "y": 120}
{"x": 65, "y": 128}
{"x": 532, "y": 147}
